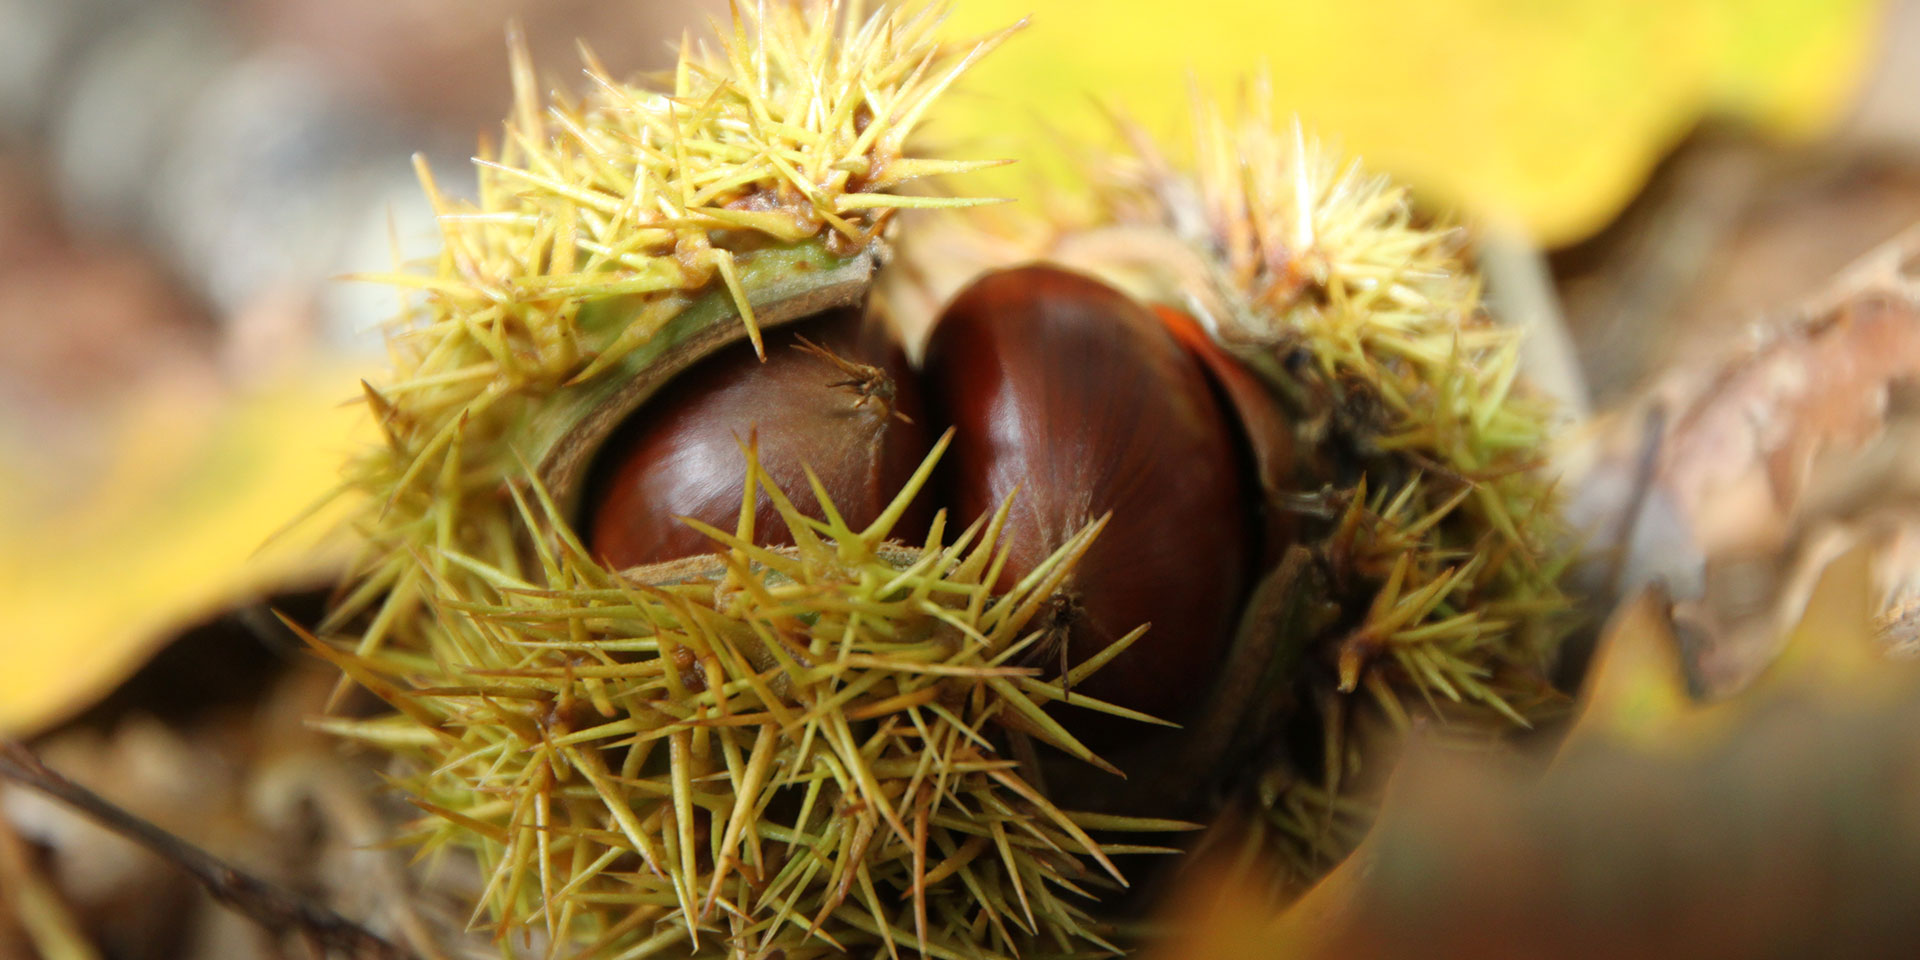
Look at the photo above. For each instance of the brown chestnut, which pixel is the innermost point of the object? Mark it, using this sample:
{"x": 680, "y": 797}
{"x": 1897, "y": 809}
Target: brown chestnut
{"x": 1265, "y": 430}
{"x": 835, "y": 394}
{"x": 1075, "y": 394}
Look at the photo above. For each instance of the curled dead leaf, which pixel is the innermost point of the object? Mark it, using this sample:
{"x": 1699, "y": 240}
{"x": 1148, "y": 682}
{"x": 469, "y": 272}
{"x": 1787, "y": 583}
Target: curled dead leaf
{"x": 1734, "y": 485}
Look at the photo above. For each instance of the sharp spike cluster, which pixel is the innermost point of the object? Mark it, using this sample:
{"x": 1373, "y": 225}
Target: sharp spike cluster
{"x": 761, "y": 751}
{"x": 1435, "y": 531}
{"x": 752, "y": 748}
{"x": 791, "y": 751}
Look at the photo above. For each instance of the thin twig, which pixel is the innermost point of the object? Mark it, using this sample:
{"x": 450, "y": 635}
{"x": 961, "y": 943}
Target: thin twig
{"x": 1646, "y": 469}
{"x": 273, "y": 907}
{"x": 1520, "y": 284}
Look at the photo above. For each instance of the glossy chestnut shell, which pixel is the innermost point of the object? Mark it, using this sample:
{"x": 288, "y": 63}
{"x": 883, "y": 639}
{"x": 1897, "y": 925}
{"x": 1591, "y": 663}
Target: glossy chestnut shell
{"x": 1264, "y": 429}
{"x": 1076, "y": 396}
{"x": 854, "y": 417}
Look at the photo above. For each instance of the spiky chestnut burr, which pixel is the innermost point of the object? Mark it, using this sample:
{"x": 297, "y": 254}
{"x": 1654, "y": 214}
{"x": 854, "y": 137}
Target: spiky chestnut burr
{"x": 796, "y": 749}
{"x": 758, "y": 750}
{"x": 1426, "y": 576}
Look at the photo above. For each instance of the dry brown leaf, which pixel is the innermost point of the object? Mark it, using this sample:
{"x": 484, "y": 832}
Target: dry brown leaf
{"x": 1749, "y": 475}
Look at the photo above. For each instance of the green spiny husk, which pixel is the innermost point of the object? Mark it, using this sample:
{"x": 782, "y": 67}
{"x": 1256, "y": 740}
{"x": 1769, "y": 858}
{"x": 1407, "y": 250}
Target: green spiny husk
{"x": 793, "y": 750}
{"x": 772, "y": 751}
{"x": 814, "y": 721}
{"x": 1436, "y": 545}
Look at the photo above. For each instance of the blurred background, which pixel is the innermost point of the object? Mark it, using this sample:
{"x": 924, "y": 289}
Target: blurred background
{"x": 183, "y": 186}
{"x": 185, "y": 180}
{"x": 183, "y": 183}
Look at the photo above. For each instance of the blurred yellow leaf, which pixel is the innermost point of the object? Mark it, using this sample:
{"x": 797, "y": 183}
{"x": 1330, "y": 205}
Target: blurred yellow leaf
{"x": 179, "y": 526}
{"x": 1636, "y": 688}
{"x": 1549, "y": 115}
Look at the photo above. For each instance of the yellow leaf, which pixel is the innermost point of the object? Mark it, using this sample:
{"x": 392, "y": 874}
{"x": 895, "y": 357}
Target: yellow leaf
{"x": 1549, "y": 115}
{"x": 1635, "y": 691}
{"x": 178, "y": 526}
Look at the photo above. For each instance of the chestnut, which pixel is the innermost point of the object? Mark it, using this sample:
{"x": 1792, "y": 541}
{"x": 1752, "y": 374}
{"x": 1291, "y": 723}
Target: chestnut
{"x": 835, "y": 393}
{"x": 1265, "y": 430}
{"x": 1077, "y": 397}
